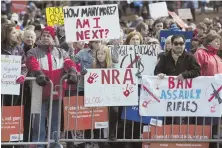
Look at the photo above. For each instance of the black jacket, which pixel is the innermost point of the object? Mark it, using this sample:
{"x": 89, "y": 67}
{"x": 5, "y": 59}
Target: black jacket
{"x": 186, "y": 65}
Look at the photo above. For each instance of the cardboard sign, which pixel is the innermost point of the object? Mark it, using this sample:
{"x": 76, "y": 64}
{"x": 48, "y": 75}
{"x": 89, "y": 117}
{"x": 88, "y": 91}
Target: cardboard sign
{"x": 82, "y": 118}
{"x": 19, "y": 6}
{"x": 155, "y": 8}
{"x": 87, "y": 23}
{"x": 111, "y": 87}
{"x": 166, "y": 33}
{"x": 199, "y": 97}
{"x": 12, "y": 123}
{"x": 10, "y": 71}
{"x": 54, "y": 16}
{"x": 185, "y": 14}
{"x": 132, "y": 113}
{"x": 192, "y": 132}
{"x": 179, "y": 21}
{"x": 130, "y": 54}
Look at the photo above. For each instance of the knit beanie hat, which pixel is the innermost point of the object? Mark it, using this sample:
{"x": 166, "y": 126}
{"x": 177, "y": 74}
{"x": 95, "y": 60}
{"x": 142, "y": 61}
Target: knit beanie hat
{"x": 49, "y": 30}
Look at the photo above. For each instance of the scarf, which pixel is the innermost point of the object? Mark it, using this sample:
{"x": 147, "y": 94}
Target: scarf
{"x": 175, "y": 56}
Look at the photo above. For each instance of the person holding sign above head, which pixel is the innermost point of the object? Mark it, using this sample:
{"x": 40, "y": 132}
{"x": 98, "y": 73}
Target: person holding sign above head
{"x": 177, "y": 62}
{"x": 45, "y": 62}
{"x": 133, "y": 38}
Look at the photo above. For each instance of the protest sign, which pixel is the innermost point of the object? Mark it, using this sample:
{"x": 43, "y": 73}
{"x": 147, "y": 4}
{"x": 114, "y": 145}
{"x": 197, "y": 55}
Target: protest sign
{"x": 132, "y": 113}
{"x": 185, "y": 13}
{"x": 191, "y": 132}
{"x": 111, "y": 87}
{"x": 12, "y": 123}
{"x": 130, "y": 54}
{"x": 179, "y": 21}
{"x": 10, "y": 71}
{"x": 78, "y": 117}
{"x": 18, "y": 6}
{"x": 187, "y": 34}
{"x": 54, "y": 16}
{"x": 155, "y": 8}
{"x": 171, "y": 97}
{"x": 87, "y": 23}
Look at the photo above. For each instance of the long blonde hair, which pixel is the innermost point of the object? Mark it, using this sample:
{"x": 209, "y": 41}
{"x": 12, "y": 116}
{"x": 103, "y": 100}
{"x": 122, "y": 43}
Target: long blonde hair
{"x": 108, "y": 60}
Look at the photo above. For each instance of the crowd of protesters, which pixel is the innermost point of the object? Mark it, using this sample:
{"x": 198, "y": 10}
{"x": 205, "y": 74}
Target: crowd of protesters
{"x": 46, "y": 55}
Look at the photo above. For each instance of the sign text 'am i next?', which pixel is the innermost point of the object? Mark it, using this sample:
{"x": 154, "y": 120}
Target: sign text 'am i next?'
{"x": 87, "y": 23}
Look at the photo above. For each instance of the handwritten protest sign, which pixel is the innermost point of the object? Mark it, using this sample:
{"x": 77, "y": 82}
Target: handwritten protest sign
{"x": 191, "y": 132}
{"x": 176, "y": 18}
{"x": 86, "y": 23}
{"x": 187, "y": 34}
{"x": 155, "y": 8}
{"x": 78, "y": 117}
{"x": 170, "y": 97}
{"x": 130, "y": 54}
{"x": 12, "y": 123}
{"x": 54, "y": 16}
{"x": 185, "y": 13}
{"x": 10, "y": 71}
{"x": 111, "y": 87}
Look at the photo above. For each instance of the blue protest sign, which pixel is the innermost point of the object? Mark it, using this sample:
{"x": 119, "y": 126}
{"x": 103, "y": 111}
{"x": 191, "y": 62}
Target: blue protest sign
{"x": 187, "y": 34}
{"x": 132, "y": 113}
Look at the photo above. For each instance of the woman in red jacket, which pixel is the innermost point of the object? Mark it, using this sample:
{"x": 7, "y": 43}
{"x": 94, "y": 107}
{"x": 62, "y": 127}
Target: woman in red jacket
{"x": 210, "y": 64}
{"x": 207, "y": 57}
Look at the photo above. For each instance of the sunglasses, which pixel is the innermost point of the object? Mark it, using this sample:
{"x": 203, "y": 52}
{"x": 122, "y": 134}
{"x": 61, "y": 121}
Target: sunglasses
{"x": 149, "y": 43}
{"x": 178, "y": 43}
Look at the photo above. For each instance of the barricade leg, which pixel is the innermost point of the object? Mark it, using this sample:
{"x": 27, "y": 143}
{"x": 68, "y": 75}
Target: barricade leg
{"x": 39, "y": 125}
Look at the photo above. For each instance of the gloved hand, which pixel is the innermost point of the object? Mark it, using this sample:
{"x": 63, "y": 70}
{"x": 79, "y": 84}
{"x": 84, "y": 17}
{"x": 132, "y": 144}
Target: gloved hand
{"x": 83, "y": 71}
{"x": 20, "y": 79}
{"x": 72, "y": 76}
{"x": 41, "y": 79}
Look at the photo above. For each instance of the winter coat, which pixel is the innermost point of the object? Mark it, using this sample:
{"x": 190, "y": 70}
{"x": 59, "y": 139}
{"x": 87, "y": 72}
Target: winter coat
{"x": 186, "y": 65}
{"x": 53, "y": 63}
{"x": 209, "y": 61}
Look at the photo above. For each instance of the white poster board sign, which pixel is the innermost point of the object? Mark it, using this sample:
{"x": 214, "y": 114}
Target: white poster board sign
{"x": 10, "y": 71}
{"x": 185, "y": 14}
{"x": 87, "y": 23}
{"x": 170, "y": 97}
{"x": 130, "y": 54}
{"x": 158, "y": 10}
{"x": 110, "y": 87}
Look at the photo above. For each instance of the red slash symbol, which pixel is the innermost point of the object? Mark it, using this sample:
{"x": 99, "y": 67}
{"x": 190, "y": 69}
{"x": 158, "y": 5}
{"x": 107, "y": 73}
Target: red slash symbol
{"x": 133, "y": 62}
{"x": 147, "y": 90}
{"x": 215, "y": 93}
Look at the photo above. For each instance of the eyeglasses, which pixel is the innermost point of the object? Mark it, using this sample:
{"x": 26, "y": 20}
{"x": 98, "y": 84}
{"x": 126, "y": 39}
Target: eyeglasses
{"x": 149, "y": 43}
{"x": 178, "y": 43}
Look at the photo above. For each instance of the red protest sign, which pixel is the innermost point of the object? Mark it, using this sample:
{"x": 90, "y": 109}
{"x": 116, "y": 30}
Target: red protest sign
{"x": 18, "y": 6}
{"x": 12, "y": 123}
{"x": 179, "y": 21}
{"x": 80, "y": 117}
{"x": 180, "y": 132}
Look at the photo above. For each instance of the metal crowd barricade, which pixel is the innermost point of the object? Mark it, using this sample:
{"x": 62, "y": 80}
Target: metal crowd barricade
{"x": 177, "y": 131}
{"x": 21, "y": 103}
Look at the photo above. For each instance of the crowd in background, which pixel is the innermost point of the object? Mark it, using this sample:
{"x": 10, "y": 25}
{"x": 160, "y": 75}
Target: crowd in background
{"x": 27, "y": 34}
